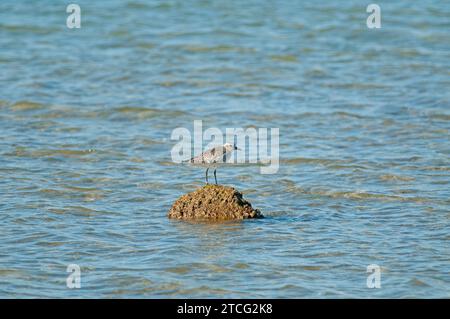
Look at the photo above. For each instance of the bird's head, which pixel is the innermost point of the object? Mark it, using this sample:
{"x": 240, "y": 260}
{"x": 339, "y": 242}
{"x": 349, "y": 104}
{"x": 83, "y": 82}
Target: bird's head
{"x": 230, "y": 147}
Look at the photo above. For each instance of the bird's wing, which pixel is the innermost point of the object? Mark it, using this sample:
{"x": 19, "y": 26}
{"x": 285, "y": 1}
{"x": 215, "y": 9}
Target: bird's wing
{"x": 213, "y": 155}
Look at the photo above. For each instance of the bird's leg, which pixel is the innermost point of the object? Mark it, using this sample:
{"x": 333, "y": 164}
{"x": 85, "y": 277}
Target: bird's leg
{"x": 207, "y": 175}
{"x": 215, "y": 177}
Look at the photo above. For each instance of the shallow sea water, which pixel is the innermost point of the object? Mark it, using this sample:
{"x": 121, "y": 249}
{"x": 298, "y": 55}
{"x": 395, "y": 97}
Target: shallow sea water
{"x": 86, "y": 175}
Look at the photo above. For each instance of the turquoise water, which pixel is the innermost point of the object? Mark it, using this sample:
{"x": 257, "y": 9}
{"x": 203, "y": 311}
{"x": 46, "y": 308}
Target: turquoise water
{"x": 86, "y": 176}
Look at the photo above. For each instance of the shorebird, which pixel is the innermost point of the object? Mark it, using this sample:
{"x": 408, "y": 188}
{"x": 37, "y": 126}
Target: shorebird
{"x": 213, "y": 157}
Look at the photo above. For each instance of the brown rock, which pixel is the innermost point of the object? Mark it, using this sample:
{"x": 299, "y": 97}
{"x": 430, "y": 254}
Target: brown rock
{"x": 213, "y": 202}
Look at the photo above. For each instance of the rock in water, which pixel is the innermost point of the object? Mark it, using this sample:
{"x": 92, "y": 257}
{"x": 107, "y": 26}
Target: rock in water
{"x": 213, "y": 202}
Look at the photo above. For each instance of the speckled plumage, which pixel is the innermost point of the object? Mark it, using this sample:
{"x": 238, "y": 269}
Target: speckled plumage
{"x": 213, "y": 157}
